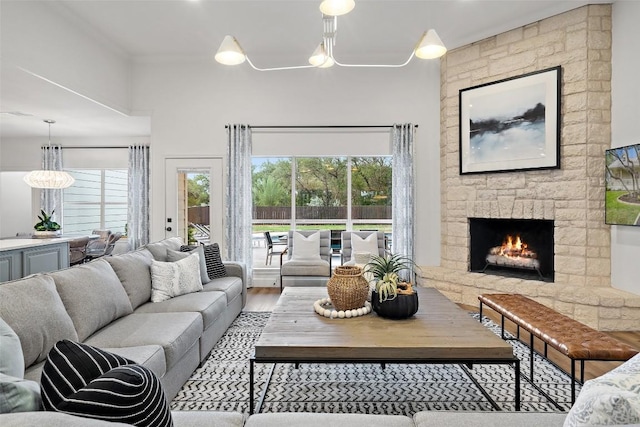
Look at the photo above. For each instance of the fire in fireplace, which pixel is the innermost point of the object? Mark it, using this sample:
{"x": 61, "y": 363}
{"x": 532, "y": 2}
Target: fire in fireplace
{"x": 514, "y": 247}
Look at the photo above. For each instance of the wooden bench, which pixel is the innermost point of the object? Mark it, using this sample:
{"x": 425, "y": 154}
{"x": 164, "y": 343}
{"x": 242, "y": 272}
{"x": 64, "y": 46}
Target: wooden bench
{"x": 575, "y": 340}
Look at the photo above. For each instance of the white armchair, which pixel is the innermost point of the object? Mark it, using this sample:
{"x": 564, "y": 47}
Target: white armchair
{"x": 305, "y": 269}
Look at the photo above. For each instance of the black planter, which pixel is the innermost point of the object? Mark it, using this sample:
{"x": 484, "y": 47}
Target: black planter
{"x": 401, "y": 307}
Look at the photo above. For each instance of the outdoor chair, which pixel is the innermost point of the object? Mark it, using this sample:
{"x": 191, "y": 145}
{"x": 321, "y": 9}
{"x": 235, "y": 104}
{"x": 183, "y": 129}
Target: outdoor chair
{"x": 301, "y": 269}
{"x": 271, "y": 244}
{"x": 365, "y": 243}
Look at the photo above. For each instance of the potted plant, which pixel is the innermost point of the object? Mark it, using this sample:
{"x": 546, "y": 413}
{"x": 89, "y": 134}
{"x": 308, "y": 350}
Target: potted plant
{"x": 393, "y": 296}
{"x": 46, "y": 227}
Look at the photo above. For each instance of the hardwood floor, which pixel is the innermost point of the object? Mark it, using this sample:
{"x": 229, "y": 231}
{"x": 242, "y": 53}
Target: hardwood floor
{"x": 264, "y": 299}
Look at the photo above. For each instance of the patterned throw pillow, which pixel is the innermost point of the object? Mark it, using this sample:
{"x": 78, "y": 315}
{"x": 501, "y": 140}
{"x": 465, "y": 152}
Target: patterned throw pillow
{"x": 610, "y": 399}
{"x": 86, "y": 381}
{"x": 171, "y": 279}
{"x": 215, "y": 267}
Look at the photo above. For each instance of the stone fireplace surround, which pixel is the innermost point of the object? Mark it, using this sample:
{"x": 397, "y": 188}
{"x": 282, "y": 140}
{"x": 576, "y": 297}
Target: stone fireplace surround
{"x": 572, "y": 196}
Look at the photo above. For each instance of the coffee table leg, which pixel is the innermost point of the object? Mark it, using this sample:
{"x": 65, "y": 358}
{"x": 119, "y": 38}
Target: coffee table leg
{"x": 251, "y": 363}
{"x": 517, "y": 381}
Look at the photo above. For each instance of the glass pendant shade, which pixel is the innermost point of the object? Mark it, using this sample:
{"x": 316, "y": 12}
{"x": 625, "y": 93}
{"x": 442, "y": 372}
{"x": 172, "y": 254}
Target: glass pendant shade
{"x": 320, "y": 59}
{"x": 49, "y": 179}
{"x": 430, "y": 46}
{"x": 337, "y": 7}
{"x": 230, "y": 52}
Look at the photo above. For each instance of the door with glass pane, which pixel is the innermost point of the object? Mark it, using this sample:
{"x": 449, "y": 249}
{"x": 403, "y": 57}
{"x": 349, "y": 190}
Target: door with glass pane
{"x": 194, "y": 199}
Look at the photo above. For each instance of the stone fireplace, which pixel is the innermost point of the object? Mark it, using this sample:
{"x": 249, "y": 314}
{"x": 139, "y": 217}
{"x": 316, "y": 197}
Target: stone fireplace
{"x": 571, "y": 198}
{"x": 520, "y": 248}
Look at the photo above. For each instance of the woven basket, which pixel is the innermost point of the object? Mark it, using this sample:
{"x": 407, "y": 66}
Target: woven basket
{"x": 347, "y": 288}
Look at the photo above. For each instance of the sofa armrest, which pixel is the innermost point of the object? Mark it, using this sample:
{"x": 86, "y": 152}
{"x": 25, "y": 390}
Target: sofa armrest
{"x": 238, "y": 269}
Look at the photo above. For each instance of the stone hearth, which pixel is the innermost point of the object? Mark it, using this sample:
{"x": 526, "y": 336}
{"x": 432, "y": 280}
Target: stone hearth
{"x": 572, "y": 196}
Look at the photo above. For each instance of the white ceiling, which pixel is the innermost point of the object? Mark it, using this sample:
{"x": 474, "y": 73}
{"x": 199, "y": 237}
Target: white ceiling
{"x": 273, "y": 33}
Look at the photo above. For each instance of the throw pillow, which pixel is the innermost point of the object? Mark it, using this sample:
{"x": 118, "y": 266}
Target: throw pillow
{"x": 215, "y": 266}
{"x": 18, "y": 395}
{"x": 611, "y": 399}
{"x": 184, "y": 252}
{"x": 368, "y": 244}
{"x": 86, "y": 381}
{"x": 11, "y": 357}
{"x": 306, "y": 248}
{"x": 171, "y": 279}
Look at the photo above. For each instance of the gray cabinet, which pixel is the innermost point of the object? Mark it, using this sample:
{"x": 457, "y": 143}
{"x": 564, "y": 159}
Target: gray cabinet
{"x": 18, "y": 263}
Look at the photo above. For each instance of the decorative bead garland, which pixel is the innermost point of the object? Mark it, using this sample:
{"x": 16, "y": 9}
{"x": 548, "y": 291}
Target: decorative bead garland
{"x": 320, "y": 308}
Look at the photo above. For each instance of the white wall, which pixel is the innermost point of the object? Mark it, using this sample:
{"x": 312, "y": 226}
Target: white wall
{"x": 192, "y": 102}
{"x": 41, "y": 38}
{"x": 16, "y": 197}
{"x": 625, "y": 111}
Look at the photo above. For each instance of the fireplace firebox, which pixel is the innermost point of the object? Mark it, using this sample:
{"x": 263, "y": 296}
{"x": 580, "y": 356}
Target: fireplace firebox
{"x": 512, "y": 247}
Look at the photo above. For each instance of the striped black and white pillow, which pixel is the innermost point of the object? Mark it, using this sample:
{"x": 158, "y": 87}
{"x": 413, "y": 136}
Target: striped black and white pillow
{"x": 86, "y": 381}
{"x": 215, "y": 267}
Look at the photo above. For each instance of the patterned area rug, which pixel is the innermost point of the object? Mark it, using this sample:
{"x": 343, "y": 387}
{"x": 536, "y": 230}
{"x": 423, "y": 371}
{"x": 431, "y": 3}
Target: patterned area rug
{"x": 222, "y": 383}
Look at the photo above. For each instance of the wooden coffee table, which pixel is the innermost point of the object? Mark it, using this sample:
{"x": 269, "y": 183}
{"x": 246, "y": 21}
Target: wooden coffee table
{"x": 440, "y": 333}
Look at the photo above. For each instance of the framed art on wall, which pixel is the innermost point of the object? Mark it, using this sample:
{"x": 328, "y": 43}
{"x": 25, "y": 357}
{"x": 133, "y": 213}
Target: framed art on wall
{"x": 511, "y": 124}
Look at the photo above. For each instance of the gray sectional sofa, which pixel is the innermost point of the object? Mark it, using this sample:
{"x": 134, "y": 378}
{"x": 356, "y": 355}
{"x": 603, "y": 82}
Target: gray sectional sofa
{"x": 106, "y": 303}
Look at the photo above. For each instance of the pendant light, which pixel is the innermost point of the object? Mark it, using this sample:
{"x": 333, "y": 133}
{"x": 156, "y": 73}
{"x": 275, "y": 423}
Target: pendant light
{"x": 52, "y": 179}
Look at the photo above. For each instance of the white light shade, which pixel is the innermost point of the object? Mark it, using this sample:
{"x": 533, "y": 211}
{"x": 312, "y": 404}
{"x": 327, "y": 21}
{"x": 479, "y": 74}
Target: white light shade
{"x": 230, "y": 52}
{"x": 337, "y": 7}
{"x": 320, "y": 59}
{"x": 430, "y": 46}
{"x": 49, "y": 179}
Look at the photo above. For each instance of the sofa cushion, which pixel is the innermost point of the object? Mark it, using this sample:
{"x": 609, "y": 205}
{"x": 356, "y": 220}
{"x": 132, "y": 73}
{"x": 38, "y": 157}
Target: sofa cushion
{"x": 52, "y": 419}
{"x": 215, "y": 266}
{"x": 284, "y": 419}
{"x": 89, "y": 382}
{"x": 18, "y": 395}
{"x": 610, "y": 399}
{"x": 159, "y": 249}
{"x": 210, "y": 305}
{"x": 21, "y": 304}
{"x": 149, "y": 356}
{"x": 305, "y": 268}
{"x": 11, "y": 357}
{"x": 185, "y": 250}
{"x": 207, "y": 419}
{"x": 133, "y": 270}
{"x": 231, "y": 286}
{"x": 92, "y": 295}
{"x": 488, "y": 419}
{"x": 171, "y": 279}
{"x": 175, "y": 332}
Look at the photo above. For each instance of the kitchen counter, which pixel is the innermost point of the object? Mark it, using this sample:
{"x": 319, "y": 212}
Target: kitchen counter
{"x": 20, "y": 257}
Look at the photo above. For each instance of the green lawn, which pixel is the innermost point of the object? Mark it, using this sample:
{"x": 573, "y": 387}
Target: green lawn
{"x": 620, "y": 213}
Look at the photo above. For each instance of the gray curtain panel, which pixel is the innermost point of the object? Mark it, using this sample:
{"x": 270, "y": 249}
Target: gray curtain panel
{"x": 51, "y": 199}
{"x": 239, "y": 200}
{"x": 403, "y": 189}
{"x": 138, "y": 198}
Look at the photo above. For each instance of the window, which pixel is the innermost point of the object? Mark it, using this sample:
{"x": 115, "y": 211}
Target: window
{"x": 97, "y": 200}
{"x": 337, "y": 193}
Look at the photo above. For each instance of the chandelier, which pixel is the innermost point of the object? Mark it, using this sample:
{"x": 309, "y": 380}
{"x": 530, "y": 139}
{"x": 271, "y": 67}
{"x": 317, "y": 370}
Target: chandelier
{"x": 49, "y": 178}
{"x": 429, "y": 47}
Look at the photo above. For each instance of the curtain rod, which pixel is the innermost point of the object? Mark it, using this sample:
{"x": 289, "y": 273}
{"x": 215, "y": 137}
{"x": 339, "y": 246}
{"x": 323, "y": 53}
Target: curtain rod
{"x": 321, "y": 127}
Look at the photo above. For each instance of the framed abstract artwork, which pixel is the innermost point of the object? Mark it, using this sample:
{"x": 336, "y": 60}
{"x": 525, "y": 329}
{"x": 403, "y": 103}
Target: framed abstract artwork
{"x": 511, "y": 124}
